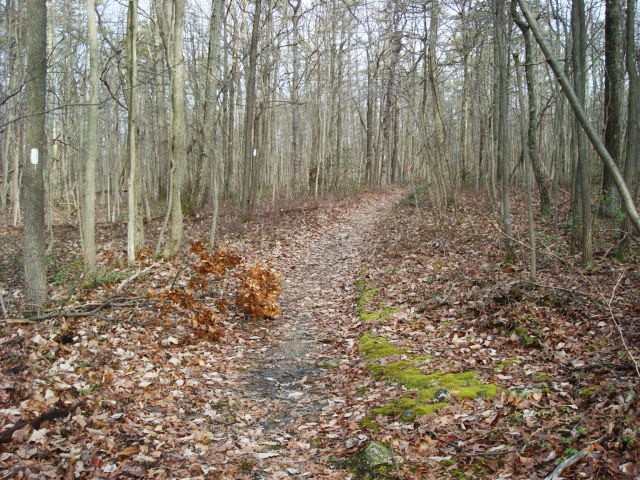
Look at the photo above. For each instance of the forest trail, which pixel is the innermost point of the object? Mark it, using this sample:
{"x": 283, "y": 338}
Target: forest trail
{"x": 383, "y": 310}
{"x": 288, "y": 388}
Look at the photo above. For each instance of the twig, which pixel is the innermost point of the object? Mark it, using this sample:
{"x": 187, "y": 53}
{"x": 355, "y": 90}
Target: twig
{"x": 566, "y": 463}
{"x": 16, "y": 321}
{"x": 175, "y": 279}
{"x": 6, "y": 435}
{"x": 470, "y": 453}
{"x": 618, "y": 327}
{"x": 136, "y": 275}
{"x": 570, "y": 291}
{"x": 4, "y": 309}
{"x": 572, "y": 460}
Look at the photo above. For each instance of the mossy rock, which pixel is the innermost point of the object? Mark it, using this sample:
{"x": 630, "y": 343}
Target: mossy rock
{"x": 374, "y": 461}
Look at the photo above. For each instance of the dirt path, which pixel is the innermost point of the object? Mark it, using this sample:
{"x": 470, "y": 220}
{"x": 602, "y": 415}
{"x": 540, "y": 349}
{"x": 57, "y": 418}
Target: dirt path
{"x": 287, "y": 395}
{"x": 157, "y": 400}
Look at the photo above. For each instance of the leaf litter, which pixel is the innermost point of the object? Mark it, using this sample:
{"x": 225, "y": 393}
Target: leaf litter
{"x": 168, "y": 376}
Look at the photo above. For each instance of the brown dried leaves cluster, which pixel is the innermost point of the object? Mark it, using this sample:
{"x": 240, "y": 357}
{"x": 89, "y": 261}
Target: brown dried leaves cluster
{"x": 256, "y": 292}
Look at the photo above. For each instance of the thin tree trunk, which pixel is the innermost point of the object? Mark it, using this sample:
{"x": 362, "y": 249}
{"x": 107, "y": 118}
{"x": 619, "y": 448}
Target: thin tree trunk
{"x": 296, "y": 160}
{"x": 178, "y": 128}
{"x": 88, "y": 204}
{"x": 135, "y": 224}
{"x": 249, "y": 187}
{"x": 501, "y": 118}
{"x": 532, "y": 130}
{"x": 526, "y": 152}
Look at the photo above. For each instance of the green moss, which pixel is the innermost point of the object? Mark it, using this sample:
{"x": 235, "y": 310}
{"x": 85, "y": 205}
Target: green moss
{"x": 104, "y": 277}
{"x": 404, "y": 372}
{"x": 541, "y": 377}
{"x": 588, "y": 391}
{"x": 463, "y": 385}
{"x": 504, "y": 365}
{"x": 366, "y": 293}
{"x": 370, "y": 317}
{"x": 525, "y": 337}
{"x": 421, "y": 358}
{"x": 368, "y": 310}
{"x": 383, "y": 314}
{"x": 407, "y": 409}
{"x": 597, "y": 346}
{"x": 370, "y": 422}
{"x": 374, "y": 348}
{"x": 361, "y": 391}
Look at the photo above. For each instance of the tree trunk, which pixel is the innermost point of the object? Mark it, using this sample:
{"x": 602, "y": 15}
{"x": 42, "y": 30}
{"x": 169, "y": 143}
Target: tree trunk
{"x": 613, "y": 92}
{"x": 88, "y": 204}
{"x": 35, "y": 156}
{"x": 526, "y": 162}
{"x": 296, "y": 160}
{"x": 583, "y": 186}
{"x": 632, "y": 161}
{"x": 178, "y": 128}
{"x": 249, "y": 187}
{"x": 501, "y": 119}
{"x": 532, "y": 128}
{"x": 135, "y": 224}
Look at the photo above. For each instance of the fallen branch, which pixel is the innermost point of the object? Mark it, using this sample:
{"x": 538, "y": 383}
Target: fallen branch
{"x": 95, "y": 308}
{"x": 136, "y": 275}
{"x": 470, "y": 453}
{"x": 7, "y": 435}
{"x": 566, "y": 463}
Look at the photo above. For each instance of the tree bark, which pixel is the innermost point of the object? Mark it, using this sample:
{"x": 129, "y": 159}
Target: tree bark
{"x": 526, "y": 162}
{"x": 582, "y": 181}
{"x": 34, "y": 160}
